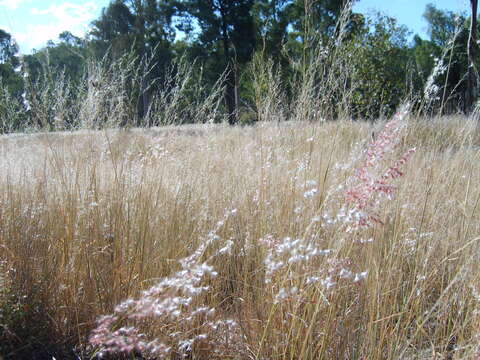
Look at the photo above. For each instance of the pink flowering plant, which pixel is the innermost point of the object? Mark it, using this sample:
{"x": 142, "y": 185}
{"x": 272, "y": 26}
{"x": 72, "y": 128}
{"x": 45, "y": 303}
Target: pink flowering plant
{"x": 374, "y": 178}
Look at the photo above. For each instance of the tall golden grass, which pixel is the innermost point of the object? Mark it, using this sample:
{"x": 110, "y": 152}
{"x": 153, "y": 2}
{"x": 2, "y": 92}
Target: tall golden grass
{"x": 244, "y": 240}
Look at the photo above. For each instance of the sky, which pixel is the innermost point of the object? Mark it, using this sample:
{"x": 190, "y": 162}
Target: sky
{"x": 409, "y": 12}
{"x": 33, "y": 22}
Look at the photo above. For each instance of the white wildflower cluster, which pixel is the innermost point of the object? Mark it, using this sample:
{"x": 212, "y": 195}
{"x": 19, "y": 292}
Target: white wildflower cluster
{"x": 310, "y": 193}
{"x": 156, "y": 151}
{"x": 412, "y": 238}
{"x": 170, "y": 301}
{"x": 288, "y": 252}
{"x": 176, "y": 303}
{"x": 334, "y": 272}
{"x": 284, "y": 294}
{"x": 303, "y": 266}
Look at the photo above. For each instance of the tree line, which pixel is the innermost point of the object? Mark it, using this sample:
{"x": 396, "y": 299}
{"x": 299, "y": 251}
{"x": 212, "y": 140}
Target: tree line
{"x": 356, "y": 65}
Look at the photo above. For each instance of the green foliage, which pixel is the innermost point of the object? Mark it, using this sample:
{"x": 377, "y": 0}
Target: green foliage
{"x": 309, "y": 17}
{"x": 67, "y": 56}
{"x": 272, "y": 20}
{"x": 8, "y": 48}
{"x": 442, "y": 24}
{"x": 222, "y": 21}
{"x": 380, "y": 58}
{"x": 113, "y": 30}
{"x": 9, "y": 64}
{"x": 53, "y": 78}
{"x": 442, "y": 62}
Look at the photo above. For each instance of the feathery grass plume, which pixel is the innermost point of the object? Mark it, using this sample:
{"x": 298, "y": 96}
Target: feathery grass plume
{"x": 12, "y": 112}
{"x": 106, "y": 99}
{"x": 268, "y": 90}
{"x": 184, "y": 98}
{"x": 431, "y": 91}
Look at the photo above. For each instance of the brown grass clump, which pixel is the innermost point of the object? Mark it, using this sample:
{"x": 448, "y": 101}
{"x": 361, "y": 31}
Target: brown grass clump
{"x": 277, "y": 241}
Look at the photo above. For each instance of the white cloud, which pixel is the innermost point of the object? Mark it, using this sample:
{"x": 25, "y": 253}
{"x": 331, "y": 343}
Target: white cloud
{"x": 36, "y": 36}
{"x": 11, "y": 4}
{"x": 69, "y": 11}
{"x": 53, "y": 21}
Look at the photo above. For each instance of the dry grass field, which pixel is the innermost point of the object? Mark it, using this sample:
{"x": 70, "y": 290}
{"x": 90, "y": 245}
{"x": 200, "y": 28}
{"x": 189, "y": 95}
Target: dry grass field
{"x": 293, "y": 240}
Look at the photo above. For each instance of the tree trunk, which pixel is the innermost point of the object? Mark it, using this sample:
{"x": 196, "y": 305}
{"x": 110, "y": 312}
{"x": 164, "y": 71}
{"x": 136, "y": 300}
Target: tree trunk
{"x": 472, "y": 73}
{"x": 230, "y": 79}
{"x": 143, "y": 104}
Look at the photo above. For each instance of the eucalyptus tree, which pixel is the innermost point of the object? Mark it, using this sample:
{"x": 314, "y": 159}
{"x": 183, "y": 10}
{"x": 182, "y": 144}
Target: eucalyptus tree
{"x": 9, "y": 63}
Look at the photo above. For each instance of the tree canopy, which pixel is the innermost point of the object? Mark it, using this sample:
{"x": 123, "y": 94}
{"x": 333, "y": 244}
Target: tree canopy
{"x": 367, "y": 64}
